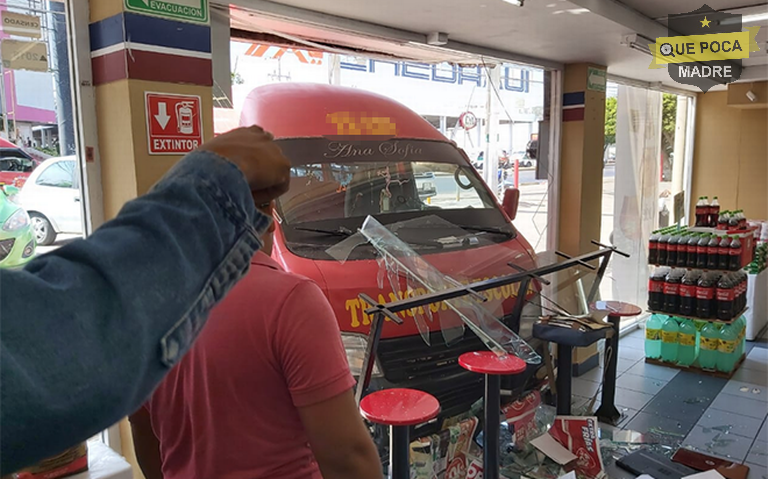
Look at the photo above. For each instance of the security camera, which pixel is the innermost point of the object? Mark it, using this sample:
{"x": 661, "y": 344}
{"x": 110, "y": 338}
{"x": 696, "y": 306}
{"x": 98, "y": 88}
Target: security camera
{"x": 752, "y": 96}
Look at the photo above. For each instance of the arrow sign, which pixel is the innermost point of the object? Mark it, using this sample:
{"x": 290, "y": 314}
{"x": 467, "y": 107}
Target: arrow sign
{"x": 162, "y": 115}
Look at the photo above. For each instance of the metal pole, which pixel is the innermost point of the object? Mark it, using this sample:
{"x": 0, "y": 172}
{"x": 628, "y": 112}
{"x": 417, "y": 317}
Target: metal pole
{"x": 399, "y": 462}
{"x": 564, "y": 365}
{"x": 5, "y": 104}
{"x": 491, "y": 426}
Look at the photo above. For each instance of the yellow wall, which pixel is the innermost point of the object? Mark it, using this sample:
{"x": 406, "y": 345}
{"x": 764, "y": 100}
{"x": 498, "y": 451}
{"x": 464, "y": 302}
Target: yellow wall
{"x": 730, "y": 158}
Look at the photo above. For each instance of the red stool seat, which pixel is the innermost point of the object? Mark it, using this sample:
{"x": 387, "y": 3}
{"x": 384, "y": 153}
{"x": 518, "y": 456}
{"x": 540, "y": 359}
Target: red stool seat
{"x": 399, "y": 407}
{"x": 616, "y": 308}
{"x": 487, "y": 362}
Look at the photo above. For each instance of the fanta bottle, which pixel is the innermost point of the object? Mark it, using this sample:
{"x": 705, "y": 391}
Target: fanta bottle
{"x": 686, "y": 340}
{"x": 669, "y": 332}
{"x": 653, "y": 337}
{"x": 709, "y": 343}
{"x": 727, "y": 348}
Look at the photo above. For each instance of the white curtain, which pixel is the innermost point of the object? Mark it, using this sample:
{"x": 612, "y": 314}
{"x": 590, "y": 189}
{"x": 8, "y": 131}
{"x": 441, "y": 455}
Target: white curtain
{"x": 635, "y": 209}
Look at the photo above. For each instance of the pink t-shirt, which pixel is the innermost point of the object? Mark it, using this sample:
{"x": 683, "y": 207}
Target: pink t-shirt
{"x": 229, "y": 408}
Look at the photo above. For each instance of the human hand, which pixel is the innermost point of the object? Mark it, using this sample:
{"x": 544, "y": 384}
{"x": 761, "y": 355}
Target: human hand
{"x": 253, "y": 150}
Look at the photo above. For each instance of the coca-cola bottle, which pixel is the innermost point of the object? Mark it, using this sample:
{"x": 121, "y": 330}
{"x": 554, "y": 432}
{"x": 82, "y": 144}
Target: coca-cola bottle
{"x": 733, "y": 221}
{"x": 656, "y": 289}
{"x": 693, "y": 243}
{"x": 688, "y": 293}
{"x": 734, "y": 263}
{"x": 702, "y": 212}
{"x": 663, "y": 240}
{"x": 724, "y": 253}
{"x": 672, "y": 292}
{"x": 714, "y": 213}
{"x": 653, "y": 248}
{"x": 705, "y": 296}
{"x": 724, "y": 294}
{"x": 672, "y": 249}
{"x": 682, "y": 250}
{"x": 722, "y": 221}
{"x": 702, "y": 250}
{"x": 713, "y": 252}
{"x": 742, "y": 219}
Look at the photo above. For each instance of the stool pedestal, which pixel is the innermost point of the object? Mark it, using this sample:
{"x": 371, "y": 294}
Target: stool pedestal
{"x": 493, "y": 367}
{"x": 616, "y": 310}
{"x": 399, "y": 409}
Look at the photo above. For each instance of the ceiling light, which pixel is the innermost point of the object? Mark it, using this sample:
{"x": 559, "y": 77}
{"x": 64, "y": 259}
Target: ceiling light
{"x": 517, "y": 3}
{"x": 753, "y": 18}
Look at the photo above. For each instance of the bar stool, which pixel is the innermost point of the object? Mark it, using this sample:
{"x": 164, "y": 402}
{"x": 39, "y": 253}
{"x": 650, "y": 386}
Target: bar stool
{"x": 399, "y": 409}
{"x": 493, "y": 367}
{"x": 616, "y": 310}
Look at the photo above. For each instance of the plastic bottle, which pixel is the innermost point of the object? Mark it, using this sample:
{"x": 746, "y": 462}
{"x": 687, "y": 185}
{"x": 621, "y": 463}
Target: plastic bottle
{"x": 709, "y": 343}
{"x": 656, "y": 289}
{"x": 725, "y": 297}
{"x": 713, "y": 252}
{"x": 669, "y": 331}
{"x": 686, "y": 339}
{"x": 742, "y": 219}
{"x": 734, "y": 263}
{"x": 663, "y": 240}
{"x": 674, "y": 238}
{"x": 733, "y": 221}
{"x": 653, "y": 248}
{"x": 688, "y": 293}
{"x": 682, "y": 250}
{"x": 672, "y": 292}
{"x": 705, "y": 297}
{"x": 714, "y": 213}
{"x": 653, "y": 337}
{"x": 724, "y": 253}
{"x": 693, "y": 243}
{"x": 702, "y": 250}
{"x": 702, "y": 211}
{"x": 722, "y": 220}
{"x": 727, "y": 347}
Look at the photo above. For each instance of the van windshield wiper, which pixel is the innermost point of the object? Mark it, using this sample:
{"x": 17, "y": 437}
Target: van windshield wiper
{"x": 488, "y": 229}
{"x": 340, "y": 231}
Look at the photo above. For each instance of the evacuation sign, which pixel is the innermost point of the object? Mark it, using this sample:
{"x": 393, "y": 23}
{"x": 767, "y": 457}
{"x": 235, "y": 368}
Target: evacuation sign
{"x": 174, "y": 123}
{"x": 185, "y": 10}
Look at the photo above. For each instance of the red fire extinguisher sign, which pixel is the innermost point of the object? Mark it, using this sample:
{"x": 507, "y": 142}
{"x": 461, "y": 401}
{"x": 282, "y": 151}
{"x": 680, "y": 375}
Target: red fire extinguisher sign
{"x": 174, "y": 123}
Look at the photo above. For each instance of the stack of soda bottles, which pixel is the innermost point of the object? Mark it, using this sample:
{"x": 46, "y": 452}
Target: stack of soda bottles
{"x": 685, "y": 342}
{"x": 707, "y": 213}
{"x": 702, "y": 294}
{"x": 760, "y": 262}
{"x": 682, "y": 248}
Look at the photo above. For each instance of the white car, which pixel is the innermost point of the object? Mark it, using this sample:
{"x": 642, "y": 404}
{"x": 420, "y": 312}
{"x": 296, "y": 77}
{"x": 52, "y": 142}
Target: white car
{"x": 51, "y": 196}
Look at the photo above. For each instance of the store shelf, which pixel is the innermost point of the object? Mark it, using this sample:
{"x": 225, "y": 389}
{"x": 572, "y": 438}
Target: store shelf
{"x": 715, "y": 270}
{"x": 708, "y": 372}
{"x": 696, "y": 318}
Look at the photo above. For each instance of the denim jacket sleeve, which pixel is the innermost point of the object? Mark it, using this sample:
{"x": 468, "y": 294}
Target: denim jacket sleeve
{"x": 88, "y": 331}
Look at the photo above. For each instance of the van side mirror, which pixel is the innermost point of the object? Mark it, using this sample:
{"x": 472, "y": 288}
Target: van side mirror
{"x": 510, "y": 202}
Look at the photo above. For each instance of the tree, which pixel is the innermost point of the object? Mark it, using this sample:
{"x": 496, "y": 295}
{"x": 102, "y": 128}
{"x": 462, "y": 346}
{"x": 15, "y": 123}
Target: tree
{"x": 610, "y": 122}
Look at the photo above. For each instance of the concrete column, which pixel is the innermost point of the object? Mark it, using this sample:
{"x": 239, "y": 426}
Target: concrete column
{"x": 583, "y": 133}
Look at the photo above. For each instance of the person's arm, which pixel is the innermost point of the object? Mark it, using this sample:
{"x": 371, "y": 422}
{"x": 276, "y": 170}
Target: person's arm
{"x": 308, "y": 344}
{"x": 146, "y": 445}
{"x": 339, "y": 439}
{"x": 88, "y": 331}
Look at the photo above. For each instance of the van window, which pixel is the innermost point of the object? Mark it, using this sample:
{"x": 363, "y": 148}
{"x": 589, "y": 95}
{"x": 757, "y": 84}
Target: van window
{"x": 335, "y": 185}
{"x": 18, "y": 165}
{"x": 60, "y": 174}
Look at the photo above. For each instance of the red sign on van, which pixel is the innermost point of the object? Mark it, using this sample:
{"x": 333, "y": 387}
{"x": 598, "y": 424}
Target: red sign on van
{"x": 174, "y": 123}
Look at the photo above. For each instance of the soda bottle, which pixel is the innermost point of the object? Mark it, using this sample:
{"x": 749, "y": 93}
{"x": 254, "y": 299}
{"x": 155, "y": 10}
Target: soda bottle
{"x": 672, "y": 293}
{"x": 702, "y": 250}
{"x": 674, "y": 238}
{"x": 724, "y": 253}
{"x": 688, "y": 293}
{"x": 725, "y": 298}
{"x": 714, "y": 212}
{"x": 702, "y": 211}
{"x": 742, "y": 219}
{"x": 656, "y": 289}
{"x": 734, "y": 263}
{"x": 686, "y": 340}
{"x": 713, "y": 252}
{"x": 733, "y": 221}
{"x": 726, "y": 348}
{"x": 705, "y": 297}
{"x": 653, "y": 337}
{"x": 663, "y": 240}
{"x": 708, "y": 346}
{"x": 682, "y": 250}
{"x": 669, "y": 345}
{"x": 653, "y": 248}
{"x": 693, "y": 242}
{"x": 722, "y": 220}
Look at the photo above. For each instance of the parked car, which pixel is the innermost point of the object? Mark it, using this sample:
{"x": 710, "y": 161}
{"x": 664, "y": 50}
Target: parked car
{"x": 51, "y": 196}
{"x": 17, "y": 239}
{"x": 15, "y": 164}
{"x": 524, "y": 160}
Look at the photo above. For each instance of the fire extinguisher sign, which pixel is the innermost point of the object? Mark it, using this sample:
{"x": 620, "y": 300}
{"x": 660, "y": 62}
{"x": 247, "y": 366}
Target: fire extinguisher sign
{"x": 174, "y": 123}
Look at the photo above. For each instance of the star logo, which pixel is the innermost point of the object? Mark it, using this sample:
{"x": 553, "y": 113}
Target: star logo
{"x": 705, "y": 23}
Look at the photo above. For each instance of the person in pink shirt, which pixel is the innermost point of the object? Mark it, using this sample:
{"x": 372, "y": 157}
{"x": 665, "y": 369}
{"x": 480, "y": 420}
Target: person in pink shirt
{"x": 266, "y": 392}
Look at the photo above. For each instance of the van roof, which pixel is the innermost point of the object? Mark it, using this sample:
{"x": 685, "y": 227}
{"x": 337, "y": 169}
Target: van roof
{"x": 301, "y": 110}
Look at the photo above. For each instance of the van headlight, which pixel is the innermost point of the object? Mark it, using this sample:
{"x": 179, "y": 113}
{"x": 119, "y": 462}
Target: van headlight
{"x": 354, "y": 345}
{"x": 16, "y": 221}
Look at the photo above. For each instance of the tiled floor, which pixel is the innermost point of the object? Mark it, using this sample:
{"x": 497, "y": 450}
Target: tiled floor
{"x": 726, "y": 418}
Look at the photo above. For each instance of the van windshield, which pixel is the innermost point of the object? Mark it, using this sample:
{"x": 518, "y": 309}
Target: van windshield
{"x": 336, "y": 184}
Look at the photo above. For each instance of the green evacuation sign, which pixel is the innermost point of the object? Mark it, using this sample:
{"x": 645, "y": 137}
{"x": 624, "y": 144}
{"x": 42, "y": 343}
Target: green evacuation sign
{"x": 187, "y": 10}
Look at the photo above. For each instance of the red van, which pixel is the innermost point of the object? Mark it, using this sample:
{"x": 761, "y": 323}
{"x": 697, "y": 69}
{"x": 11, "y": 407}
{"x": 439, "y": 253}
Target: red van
{"x": 355, "y": 154}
